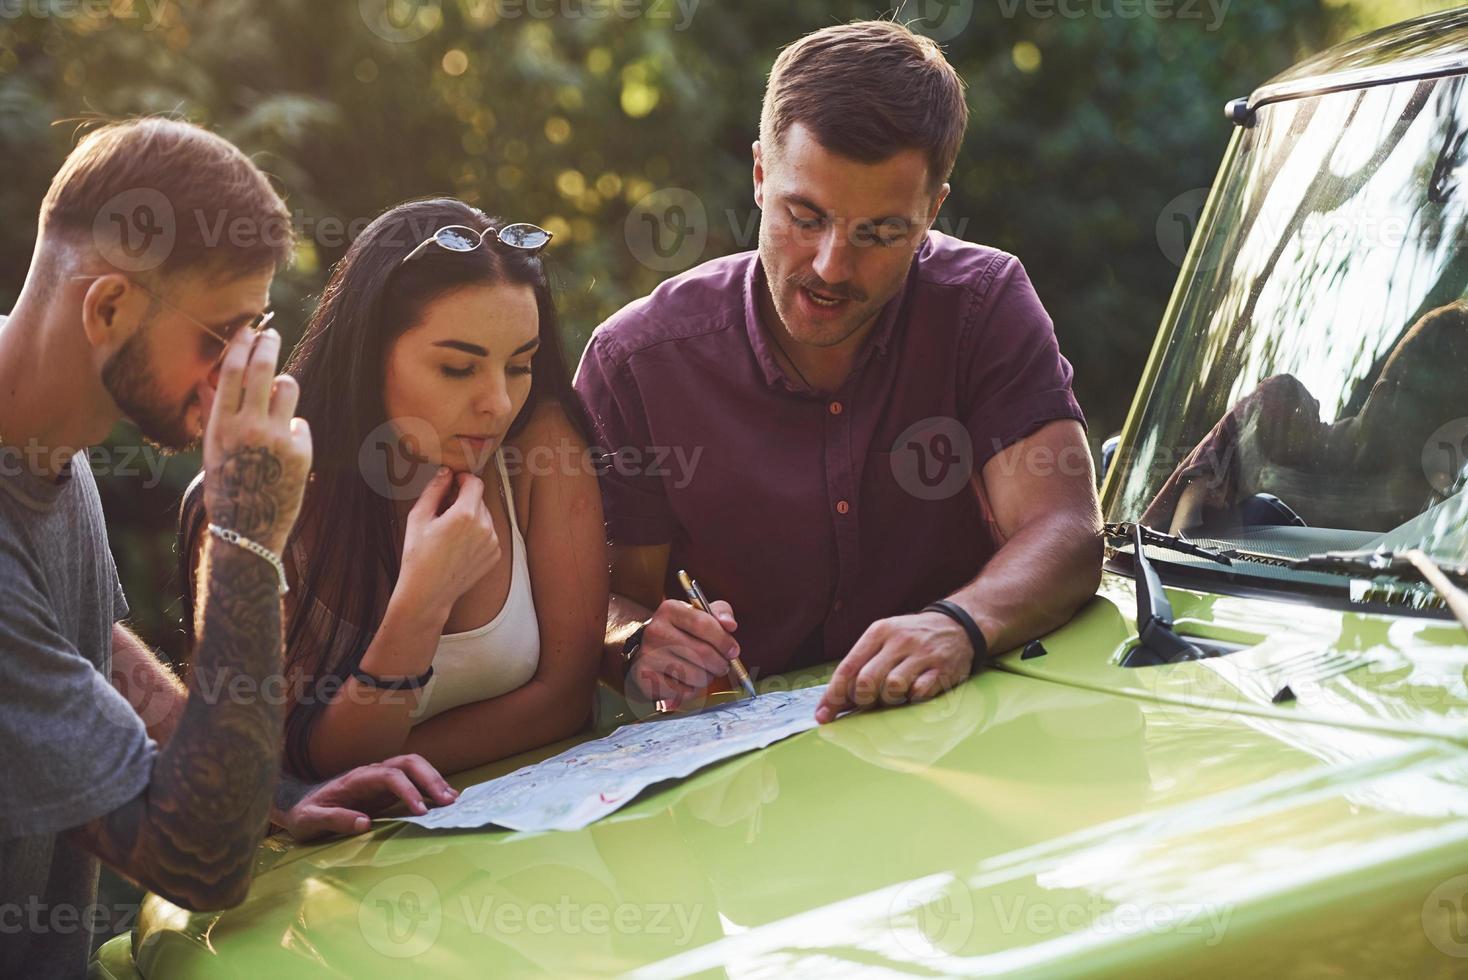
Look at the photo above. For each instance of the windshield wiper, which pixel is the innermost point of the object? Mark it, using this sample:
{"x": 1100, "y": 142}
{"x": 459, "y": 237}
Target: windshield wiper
{"x": 1398, "y": 564}
{"x": 1154, "y": 612}
{"x": 1169, "y": 542}
{"x": 1431, "y": 570}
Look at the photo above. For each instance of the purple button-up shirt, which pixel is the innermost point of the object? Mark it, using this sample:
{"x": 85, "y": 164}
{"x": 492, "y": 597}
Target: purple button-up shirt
{"x": 816, "y": 514}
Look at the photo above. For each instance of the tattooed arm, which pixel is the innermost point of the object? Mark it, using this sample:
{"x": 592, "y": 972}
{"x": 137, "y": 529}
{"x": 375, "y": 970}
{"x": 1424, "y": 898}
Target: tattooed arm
{"x": 306, "y": 811}
{"x": 191, "y": 834}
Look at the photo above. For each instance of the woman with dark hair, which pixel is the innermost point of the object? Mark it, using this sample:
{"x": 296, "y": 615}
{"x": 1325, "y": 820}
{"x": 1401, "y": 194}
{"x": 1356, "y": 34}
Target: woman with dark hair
{"x": 448, "y": 571}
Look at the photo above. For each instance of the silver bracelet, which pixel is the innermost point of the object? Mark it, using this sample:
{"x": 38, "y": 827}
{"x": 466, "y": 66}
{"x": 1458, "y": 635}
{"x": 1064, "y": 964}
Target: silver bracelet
{"x": 235, "y": 538}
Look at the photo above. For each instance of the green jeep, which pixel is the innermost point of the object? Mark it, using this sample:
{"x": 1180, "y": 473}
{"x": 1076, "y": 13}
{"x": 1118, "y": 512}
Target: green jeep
{"x": 1248, "y": 753}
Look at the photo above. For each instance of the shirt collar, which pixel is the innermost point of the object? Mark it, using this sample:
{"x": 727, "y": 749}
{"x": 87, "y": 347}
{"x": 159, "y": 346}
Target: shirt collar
{"x": 877, "y": 341}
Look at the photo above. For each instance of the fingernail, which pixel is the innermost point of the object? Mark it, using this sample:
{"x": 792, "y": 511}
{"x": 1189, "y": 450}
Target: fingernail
{"x": 419, "y": 808}
{"x": 361, "y": 824}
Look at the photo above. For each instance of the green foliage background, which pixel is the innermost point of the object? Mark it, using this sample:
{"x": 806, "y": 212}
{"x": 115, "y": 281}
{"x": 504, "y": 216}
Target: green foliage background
{"x": 1084, "y": 129}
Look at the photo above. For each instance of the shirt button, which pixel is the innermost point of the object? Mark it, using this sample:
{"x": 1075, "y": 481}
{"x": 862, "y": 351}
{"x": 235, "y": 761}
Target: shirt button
{"x": 838, "y": 605}
{"x": 837, "y": 408}
{"x": 842, "y": 507}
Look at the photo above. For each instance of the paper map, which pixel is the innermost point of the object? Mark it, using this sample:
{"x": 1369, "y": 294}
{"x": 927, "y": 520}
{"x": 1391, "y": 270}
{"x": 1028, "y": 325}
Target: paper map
{"x": 585, "y": 783}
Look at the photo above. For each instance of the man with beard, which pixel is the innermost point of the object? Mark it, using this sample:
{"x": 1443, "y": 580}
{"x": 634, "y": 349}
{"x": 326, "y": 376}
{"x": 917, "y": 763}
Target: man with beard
{"x": 132, "y": 308}
{"x": 891, "y": 468}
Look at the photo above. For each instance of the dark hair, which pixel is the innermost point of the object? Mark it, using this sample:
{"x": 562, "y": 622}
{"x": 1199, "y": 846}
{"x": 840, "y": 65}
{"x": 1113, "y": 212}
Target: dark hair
{"x": 369, "y": 301}
{"x": 868, "y": 90}
{"x": 181, "y": 181}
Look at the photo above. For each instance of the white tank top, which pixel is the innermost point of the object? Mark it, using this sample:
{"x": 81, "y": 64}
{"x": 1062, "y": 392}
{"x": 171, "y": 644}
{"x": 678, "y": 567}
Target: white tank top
{"x": 494, "y": 659}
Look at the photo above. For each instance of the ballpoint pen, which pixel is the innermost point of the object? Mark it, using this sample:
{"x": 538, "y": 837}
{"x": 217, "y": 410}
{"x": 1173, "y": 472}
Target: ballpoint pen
{"x": 698, "y": 601}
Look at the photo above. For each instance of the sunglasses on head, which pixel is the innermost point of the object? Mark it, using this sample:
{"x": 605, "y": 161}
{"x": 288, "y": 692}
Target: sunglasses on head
{"x": 523, "y": 237}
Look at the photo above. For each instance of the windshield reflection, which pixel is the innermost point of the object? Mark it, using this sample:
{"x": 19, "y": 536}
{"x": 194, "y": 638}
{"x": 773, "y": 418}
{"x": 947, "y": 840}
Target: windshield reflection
{"x": 1313, "y": 394}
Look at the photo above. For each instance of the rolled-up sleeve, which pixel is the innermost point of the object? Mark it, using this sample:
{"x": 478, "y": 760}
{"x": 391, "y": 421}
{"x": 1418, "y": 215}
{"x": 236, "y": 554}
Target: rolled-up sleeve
{"x": 1017, "y": 379}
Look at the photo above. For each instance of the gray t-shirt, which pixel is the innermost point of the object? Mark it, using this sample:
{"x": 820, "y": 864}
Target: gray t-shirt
{"x": 71, "y": 748}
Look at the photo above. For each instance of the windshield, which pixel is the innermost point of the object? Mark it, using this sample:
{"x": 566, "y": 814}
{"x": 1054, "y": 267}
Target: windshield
{"x": 1313, "y": 392}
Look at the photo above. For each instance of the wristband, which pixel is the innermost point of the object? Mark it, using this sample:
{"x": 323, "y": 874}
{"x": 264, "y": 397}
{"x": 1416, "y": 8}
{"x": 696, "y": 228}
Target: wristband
{"x": 395, "y": 684}
{"x": 960, "y": 616}
{"x": 632, "y": 644}
{"x": 255, "y": 548}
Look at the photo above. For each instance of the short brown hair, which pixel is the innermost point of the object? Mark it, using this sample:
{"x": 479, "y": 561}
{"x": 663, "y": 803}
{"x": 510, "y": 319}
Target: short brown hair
{"x": 869, "y": 90}
{"x": 162, "y": 195}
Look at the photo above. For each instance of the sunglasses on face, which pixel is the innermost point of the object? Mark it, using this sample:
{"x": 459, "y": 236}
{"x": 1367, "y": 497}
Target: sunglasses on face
{"x": 522, "y": 237}
{"x": 254, "y": 325}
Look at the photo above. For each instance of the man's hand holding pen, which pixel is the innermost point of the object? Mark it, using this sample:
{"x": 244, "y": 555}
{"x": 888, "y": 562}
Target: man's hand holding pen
{"x": 684, "y": 650}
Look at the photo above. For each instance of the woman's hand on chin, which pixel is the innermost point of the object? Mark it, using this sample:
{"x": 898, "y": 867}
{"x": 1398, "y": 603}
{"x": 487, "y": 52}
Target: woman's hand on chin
{"x": 450, "y": 542}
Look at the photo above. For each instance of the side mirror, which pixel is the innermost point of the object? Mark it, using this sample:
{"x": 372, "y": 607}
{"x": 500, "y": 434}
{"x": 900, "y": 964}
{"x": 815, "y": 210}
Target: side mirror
{"x": 1108, "y": 455}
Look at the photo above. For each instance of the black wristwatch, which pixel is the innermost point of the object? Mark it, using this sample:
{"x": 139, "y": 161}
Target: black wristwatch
{"x": 631, "y": 645}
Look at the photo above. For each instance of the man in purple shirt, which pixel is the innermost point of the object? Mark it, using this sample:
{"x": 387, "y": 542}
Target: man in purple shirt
{"x": 863, "y": 418}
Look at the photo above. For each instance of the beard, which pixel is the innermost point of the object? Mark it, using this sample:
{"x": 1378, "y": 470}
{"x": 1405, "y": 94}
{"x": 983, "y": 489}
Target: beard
{"x": 129, "y": 379}
{"x": 784, "y": 288}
